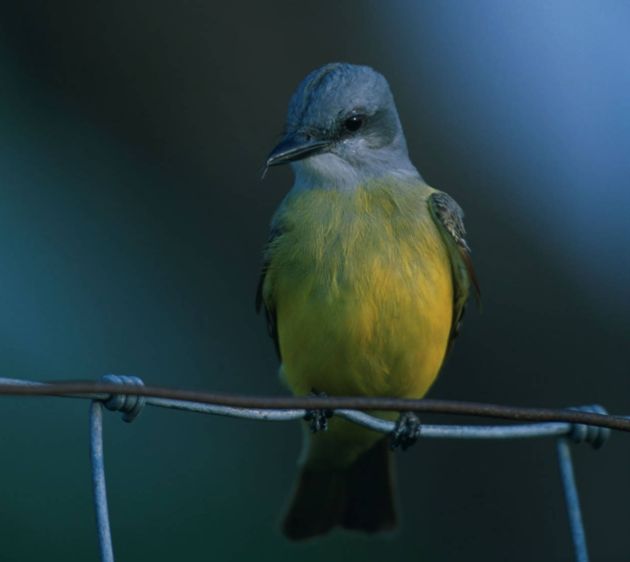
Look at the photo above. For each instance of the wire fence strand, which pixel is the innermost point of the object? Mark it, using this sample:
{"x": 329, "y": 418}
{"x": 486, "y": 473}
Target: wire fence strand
{"x": 102, "y": 391}
{"x": 129, "y": 395}
{"x": 572, "y": 500}
{"x": 98, "y": 482}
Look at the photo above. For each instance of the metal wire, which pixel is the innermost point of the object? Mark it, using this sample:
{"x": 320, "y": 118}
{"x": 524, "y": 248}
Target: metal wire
{"x": 102, "y": 391}
{"x": 128, "y": 395}
{"x": 572, "y": 500}
{"x": 98, "y": 482}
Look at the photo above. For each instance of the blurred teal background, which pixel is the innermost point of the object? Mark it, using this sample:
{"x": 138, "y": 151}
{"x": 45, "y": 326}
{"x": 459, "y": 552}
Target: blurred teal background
{"x": 132, "y": 137}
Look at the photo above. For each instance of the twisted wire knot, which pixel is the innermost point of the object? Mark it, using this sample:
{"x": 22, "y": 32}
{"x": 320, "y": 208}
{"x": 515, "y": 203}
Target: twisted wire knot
{"x": 129, "y": 404}
{"x": 592, "y": 434}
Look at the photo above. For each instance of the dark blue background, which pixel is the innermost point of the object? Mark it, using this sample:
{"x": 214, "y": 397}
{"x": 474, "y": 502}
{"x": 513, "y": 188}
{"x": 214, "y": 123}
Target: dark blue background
{"x": 132, "y": 136}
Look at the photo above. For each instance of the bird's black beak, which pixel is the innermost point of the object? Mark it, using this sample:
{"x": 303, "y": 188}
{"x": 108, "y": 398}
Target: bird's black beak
{"x": 295, "y": 146}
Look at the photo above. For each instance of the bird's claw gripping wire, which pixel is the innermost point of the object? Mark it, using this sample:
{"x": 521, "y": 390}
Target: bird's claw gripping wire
{"x": 596, "y": 436}
{"x": 129, "y": 404}
{"x": 405, "y": 432}
{"x": 318, "y": 419}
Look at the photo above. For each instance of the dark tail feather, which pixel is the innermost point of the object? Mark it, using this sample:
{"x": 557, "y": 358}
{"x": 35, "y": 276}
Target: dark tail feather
{"x": 317, "y": 505}
{"x": 370, "y": 493}
{"x": 359, "y": 497}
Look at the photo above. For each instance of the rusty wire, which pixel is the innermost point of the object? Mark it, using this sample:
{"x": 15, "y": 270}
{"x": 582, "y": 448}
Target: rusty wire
{"x": 97, "y": 390}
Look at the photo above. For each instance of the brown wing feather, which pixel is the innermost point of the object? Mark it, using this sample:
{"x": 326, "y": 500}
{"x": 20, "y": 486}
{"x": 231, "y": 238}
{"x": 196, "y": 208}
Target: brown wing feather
{"x": 449, "y": 218}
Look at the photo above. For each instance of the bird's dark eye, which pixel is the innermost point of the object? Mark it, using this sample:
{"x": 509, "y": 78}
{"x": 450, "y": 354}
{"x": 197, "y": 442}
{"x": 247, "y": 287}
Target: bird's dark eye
{"x": 353, "y": 123}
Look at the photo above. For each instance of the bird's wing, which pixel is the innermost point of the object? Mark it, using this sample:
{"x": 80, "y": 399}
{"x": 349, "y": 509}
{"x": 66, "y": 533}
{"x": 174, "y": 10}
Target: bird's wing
{"x": 270, "y": 310}
{"x": 449, "y": 218}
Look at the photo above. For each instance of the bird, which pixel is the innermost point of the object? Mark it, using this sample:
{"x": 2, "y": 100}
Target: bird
{"x": 366, "y": 274}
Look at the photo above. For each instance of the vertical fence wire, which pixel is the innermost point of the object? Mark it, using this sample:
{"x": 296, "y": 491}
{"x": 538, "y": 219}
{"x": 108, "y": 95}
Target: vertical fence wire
{"x": 572, "y": 500}
{"x": 98, "y": 482}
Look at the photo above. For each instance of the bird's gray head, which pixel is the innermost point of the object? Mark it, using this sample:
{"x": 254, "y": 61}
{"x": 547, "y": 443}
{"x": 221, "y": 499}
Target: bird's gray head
{"x": 342, "y": 128}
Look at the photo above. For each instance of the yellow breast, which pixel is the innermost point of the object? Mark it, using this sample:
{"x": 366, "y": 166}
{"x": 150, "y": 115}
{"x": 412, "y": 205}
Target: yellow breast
{"x": 362, "y": 289}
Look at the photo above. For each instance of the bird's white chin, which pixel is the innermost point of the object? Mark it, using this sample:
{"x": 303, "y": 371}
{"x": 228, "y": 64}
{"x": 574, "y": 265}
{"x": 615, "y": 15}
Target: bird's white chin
{"x": 325, "y": 170}
{"x": 328, "y": 170}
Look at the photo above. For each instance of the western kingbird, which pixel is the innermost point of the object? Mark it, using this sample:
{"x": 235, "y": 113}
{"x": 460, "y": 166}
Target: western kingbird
{"x": 365, "y": 279}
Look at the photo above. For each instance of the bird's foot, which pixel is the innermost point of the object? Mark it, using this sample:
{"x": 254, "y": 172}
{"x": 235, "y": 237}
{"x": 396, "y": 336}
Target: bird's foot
{"x": 406, "y": 431}
{"x": 318, "y": 419}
